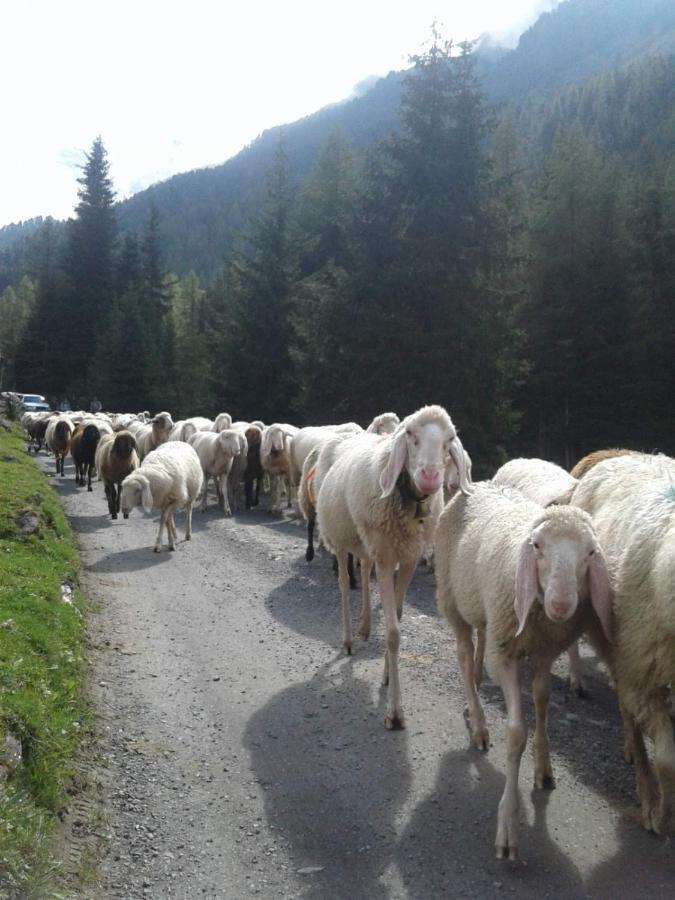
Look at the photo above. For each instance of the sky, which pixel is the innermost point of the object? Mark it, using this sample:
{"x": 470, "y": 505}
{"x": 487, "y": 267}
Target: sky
{"x": 180, "y": 84}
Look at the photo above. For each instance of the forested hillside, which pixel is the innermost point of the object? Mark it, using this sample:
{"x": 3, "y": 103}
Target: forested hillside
{"x": 516, "y": 265}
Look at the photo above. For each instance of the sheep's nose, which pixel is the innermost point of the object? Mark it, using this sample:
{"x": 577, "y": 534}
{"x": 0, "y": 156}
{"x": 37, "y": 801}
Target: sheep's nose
{"x": 428, "y": 479}
{"x": 560, "y": 609}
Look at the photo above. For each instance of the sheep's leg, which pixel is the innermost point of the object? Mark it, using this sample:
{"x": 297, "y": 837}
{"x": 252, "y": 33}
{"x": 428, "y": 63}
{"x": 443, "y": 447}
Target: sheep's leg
{"x": 364, "y": 621}
{"x": 110, "y": 497}
{"x": 385, "y": 576}
{"x": 645, "y": 783}
{"x": 343, "y": 581}
{"x": 577, "y": 683}
{"x": 403, "y": 579}
{"x": 224, "y": 498}
{"x": 218, "y": 481}
{"x": 119, "y": 498}
{"x": 350, "y": 571}
{"x": 171, "y": 526}
{"x": 90, "y": 469}
{"x": 309, "y": 552}
{"x": 276, "y": 488}
{"x": 202, "y": 507}
{"x": 162, "y": 520}
{"x": 480, "y": 737}
{"x": 290, "y": 491}
{"x": 256, "y": 500}
{"x": 661, "y": 732}
{"x": 516, "y": 738}
{"x": 541, "y": 690}
{"x": 188, "y": 521}
{"x": 479, "y": 657}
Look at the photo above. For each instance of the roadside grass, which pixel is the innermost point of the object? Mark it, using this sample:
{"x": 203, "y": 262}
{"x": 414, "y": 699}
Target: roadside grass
{"x": 41, "y": 704}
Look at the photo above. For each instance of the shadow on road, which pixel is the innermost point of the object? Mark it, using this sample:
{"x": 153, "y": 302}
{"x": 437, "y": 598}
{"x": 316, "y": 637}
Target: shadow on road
{"x": 133, "y": 560}
{"x": 332, "y": 784}
{"x": 449, "y": 839}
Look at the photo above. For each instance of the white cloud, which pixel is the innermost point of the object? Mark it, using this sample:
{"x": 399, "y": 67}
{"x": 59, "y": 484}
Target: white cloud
{"x": 179, "y": 85}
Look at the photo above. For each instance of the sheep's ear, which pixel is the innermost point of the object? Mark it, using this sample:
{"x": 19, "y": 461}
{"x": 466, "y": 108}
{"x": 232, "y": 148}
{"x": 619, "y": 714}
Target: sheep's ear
{"x": 527, "y": 584}
{"x": 462, "y": 462}
{"x": 395, "y": 463}
{"x": 146, "y": 495}
{"x": 601, "y": 592}
{"x": 374, "y": 425}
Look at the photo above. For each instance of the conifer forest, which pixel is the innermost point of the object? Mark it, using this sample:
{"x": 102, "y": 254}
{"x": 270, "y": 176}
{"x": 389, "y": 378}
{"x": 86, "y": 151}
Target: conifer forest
{"x": 514, "y": 263}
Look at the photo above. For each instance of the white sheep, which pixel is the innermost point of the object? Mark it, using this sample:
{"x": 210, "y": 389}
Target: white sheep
{"x": 313, "y": 436}
{"x": 222, "y": 421}
{"x": 385, "y": 423}
{"x": 154, "y": 433}
{"x": 377, "y": 502}
{"x": 169, "y": 478}
{"x": 275, "y": 459}
{"x": 216, "y": 452}
{"x": 632, "y": 501}
{"x": 545, "y": 483}
{"x": 520, "y": 575}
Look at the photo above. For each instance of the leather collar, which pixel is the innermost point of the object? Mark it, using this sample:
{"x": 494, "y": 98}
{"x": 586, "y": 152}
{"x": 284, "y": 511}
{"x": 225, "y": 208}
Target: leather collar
{"x": 410, "y": 499}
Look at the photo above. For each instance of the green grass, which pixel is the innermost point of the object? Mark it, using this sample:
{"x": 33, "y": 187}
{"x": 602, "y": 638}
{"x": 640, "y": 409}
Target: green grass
{"x": 40, "y": 665}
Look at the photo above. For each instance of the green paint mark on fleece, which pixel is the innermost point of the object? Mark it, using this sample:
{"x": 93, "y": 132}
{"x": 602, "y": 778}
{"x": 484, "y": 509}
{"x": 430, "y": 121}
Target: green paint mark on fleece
{"x": 670, "y": 493}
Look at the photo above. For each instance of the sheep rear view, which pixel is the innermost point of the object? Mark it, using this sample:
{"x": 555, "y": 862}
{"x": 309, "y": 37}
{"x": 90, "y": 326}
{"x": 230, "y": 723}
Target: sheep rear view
{"x": 521, "y": 577}
{"x": 83, "y": 446}
{"x": 169, "y": 479}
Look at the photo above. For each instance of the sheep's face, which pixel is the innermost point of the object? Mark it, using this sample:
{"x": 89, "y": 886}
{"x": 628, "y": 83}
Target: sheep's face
{"x": 428, "y": 455}
{"x": 558, "y": 563}
{"x": 230, "y": 444}
{"x": 135, "y": 492}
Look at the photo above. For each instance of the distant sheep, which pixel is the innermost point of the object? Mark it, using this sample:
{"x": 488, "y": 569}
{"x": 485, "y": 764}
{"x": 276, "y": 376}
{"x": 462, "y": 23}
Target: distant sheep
{"x": 58, "y": 434}
{"x": 306, "y": 439}
{"x": 275, "y": 459}
{"x": 151, "y": 435}
{"x": 116, "y": 457}
{"x": 216, "y": 452}
{"x": 587, "y": 462}
{"x": 385, "y": 423}
{"x": 379, "y": 501}
{"x": 83, "y": 446}
{"x": 520, "y": 576}
{"x": 169, "y": 479}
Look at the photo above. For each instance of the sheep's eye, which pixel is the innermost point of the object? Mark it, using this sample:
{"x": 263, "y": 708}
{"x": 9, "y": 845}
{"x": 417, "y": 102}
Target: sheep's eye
{"x": 535, "y": 545}
{"x": 591, "y": 553}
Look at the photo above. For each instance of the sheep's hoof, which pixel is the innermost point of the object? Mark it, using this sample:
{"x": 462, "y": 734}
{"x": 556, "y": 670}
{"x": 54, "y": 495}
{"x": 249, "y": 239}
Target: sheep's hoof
{"x": 90, "y": 488}
{"x": 126, "y": 516}
{"x": 506, "y": 852}
{"x": 227, "y": 513}
{"x": 188, "y": 537}
{"x": 348, "y": 649}
{"x": 544, "y": 781}
{"x": 157, "y": 549}
{"x": 394, "y": 721}
{"x": 114, "y": 516}
{"x": 172, "y": 548}
{"x": 480, "y": 738}
{"x": 364, "y": 632}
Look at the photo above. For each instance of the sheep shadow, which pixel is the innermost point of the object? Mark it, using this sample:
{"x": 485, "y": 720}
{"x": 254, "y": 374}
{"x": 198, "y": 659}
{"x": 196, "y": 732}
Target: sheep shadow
{"x": 89, "y": 524}
{"x": 449, "y": 840}
{"x": 333, "y": 786}
{"x": 131, "y": 560}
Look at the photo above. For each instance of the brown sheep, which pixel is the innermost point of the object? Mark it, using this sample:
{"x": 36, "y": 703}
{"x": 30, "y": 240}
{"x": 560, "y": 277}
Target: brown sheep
{"x": 116, "y": 457}
{"x": 587, "y": 462}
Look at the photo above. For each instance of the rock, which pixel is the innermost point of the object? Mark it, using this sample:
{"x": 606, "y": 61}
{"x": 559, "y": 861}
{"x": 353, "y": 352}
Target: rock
{"x": 11, "y": 755}
{"x": 27, "y": 521}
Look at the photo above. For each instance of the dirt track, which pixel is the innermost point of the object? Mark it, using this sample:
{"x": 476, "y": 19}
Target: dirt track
{"x": 243, "y": 754}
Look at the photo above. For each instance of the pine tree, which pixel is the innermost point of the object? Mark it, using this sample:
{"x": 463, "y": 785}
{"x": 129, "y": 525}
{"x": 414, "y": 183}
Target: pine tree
{"x": 260, "y": 370}
{"x": 91, "y": 267}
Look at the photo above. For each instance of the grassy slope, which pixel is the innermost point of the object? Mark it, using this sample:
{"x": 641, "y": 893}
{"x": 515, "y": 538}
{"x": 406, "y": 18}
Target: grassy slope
{"x": 40, "y": 661}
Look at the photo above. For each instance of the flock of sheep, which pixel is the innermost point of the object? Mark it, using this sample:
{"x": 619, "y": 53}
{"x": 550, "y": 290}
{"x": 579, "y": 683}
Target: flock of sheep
{"x": 525, "y": 563}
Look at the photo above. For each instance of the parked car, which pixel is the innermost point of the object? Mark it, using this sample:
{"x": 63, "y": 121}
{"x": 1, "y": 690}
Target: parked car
{"x": 33, "y": 402}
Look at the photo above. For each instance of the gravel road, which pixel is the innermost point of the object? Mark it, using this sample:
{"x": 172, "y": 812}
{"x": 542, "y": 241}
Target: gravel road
{"x": 243, "y": 754}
